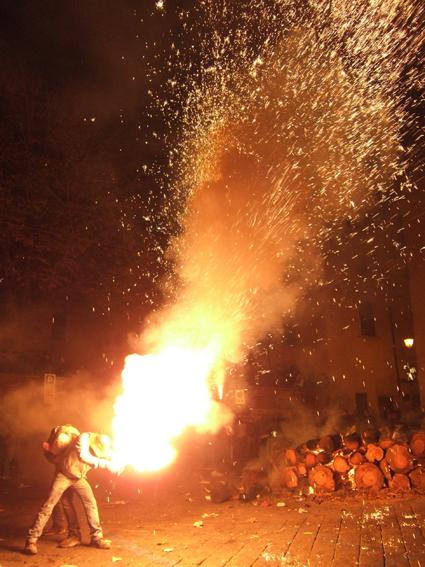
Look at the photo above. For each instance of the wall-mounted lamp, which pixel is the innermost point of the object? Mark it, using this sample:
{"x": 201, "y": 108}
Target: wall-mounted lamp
{"x": 408, "y": 342}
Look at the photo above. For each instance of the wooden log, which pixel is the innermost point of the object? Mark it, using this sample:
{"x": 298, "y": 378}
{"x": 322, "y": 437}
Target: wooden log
{"x": 312, "y": 444}
{"x": 337, "y": 441}
{"x": 321, "y": 478}
{"x": 310, "y": 460}
{"x": 417, "y": 478}
{"x": 385, "y": 442}
{"x": 400, "y": 483}
{"x": 400, "y": 435}
{"x": 417, "y": 444}
{"x": 385, "y": 469}
{"x": 340, "y": 464}
{"x": 356, "y": 458}
{"x": 399, "y": 458}
{"x": 385, "y": 438}
{"x": 327, "y": 444}
{"x": 374, "y": 453}
{"x": 352, "y": 441}
{"x": 290, "y": 477}
{"x": 302, "y": 469}
{"x": 290, "y": 457}
{"x": 323, "y": 457}
{"x": 368, "y": 477}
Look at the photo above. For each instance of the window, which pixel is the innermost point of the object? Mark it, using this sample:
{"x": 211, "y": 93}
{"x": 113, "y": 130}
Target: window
{"x": 362, "y": 405}
{"x": 367, "y": 320}
{"x": 385, "y": 405}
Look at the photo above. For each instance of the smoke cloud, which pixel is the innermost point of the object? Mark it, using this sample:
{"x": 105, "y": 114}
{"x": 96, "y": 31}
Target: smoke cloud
{"x": 277, "y": 152}
{"x": 26, "y": 419}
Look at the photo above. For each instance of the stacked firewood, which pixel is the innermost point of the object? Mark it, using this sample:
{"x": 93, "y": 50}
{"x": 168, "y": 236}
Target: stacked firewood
{"x": 369, "y": 461}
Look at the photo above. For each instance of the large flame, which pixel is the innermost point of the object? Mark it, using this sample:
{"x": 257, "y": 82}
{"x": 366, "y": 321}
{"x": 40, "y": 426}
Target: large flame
{"x": 163, "y": 394}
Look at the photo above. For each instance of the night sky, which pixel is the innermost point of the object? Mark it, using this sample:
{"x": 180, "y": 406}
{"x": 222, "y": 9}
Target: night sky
{"x": 80, "y": 85}
{"x": 94, "y": 99}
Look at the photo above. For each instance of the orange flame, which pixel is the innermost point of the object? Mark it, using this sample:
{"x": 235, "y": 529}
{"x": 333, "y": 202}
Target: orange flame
{"x": 163, "y": 395}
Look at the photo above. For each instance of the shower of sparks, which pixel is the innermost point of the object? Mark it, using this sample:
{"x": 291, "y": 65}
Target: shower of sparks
{"x": 292, "y": 128}
{"x": 293, "y": 119}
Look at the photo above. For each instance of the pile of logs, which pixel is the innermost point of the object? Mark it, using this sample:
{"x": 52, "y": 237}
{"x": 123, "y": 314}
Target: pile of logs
{"x": 369, "y": 461}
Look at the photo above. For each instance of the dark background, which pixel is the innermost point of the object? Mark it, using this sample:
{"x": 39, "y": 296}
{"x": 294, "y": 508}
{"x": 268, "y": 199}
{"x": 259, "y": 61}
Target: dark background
{"x": 84, "y": 174}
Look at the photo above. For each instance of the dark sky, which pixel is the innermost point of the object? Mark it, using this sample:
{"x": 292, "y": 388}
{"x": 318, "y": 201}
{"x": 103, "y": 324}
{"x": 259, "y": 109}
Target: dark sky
{"x": 75, "y": 44}
{"x": 81, "y": 86}
{"x": 84, "y": 152}
{"x": 79, "y": 89}
{"x": 105, "y": 58}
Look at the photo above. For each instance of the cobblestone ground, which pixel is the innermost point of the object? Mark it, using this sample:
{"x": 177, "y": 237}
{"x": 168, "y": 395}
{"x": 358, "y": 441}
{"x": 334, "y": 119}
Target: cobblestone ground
{"x": 168, "y": 525}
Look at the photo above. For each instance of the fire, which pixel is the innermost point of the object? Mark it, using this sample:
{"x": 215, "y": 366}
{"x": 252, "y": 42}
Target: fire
{"x": 351, "y": 478}
{"x": 220, "y": 390}
{"x": 164, "y": 394}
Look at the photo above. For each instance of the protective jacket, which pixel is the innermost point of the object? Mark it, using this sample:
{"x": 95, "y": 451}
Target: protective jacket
{"x": 79, "y": 458}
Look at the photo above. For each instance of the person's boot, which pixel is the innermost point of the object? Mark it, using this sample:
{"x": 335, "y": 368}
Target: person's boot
{"x": 70, "y": 541}
{"x": 31, "y": 546}
{"x": 101, "y": 543}
{"x": 56, "y": 531}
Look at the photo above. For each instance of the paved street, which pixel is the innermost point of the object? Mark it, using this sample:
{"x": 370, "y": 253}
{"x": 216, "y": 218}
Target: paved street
{"x": 167, "y": 525}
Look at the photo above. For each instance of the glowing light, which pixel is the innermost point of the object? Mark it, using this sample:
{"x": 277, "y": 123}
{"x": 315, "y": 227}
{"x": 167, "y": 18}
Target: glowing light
{"x": 163, "y": 395}
{"x": 408, "y": 342}
{"x": 220, "y": 391}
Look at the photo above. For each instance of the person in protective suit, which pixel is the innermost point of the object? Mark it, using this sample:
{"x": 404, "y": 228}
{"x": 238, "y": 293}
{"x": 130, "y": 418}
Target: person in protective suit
{"x": 85, "y": 452}
{"x": 64, "y": 515}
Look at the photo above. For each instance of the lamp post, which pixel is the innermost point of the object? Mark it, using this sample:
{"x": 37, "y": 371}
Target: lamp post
{"x": 394, "y": 349}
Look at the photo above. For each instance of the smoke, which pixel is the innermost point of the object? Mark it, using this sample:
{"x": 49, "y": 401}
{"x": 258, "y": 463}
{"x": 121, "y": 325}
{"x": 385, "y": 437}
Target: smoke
{"x": 229, "y": 262}
{"x": 279, "y": 147}
{"x": 302, "y": 423}
{"x": 78, "y": 401}
{"x": 26, "y": 419}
